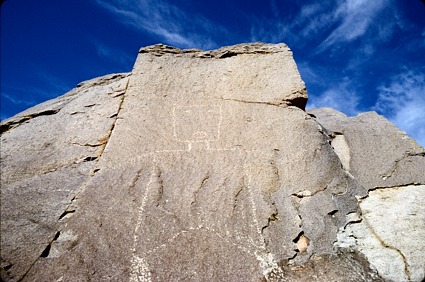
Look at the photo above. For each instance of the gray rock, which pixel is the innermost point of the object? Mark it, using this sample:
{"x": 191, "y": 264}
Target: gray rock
{"x": 391, "y": 166}
{"x": 381, "y": 155}
{"x": 197, "y": 166}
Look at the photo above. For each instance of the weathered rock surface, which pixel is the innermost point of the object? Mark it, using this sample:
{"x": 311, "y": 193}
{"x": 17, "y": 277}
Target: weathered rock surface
{"x": 391, "y": 166}
{"x": 47, "y": 153}
{"x": 204, "y": 166}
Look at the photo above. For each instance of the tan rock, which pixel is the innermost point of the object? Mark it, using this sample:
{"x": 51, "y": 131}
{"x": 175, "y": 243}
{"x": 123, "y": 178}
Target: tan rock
{"x": 47, "y": 155}
{"x": 196, "y": 166}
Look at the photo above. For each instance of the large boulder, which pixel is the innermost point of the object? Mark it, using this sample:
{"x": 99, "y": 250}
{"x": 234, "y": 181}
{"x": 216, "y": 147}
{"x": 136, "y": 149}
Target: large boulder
{"x": 391, "y": 166}
{"x": 205, "y": 166}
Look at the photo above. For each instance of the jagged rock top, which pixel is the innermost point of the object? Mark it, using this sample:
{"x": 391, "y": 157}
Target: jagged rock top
{"x": 53, "y": 106}
{"x": 247, "y": 73}
{"x": 221, "y": 53}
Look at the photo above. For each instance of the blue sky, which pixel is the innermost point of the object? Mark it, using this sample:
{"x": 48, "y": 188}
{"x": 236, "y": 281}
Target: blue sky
{"x": 354, "y": 55}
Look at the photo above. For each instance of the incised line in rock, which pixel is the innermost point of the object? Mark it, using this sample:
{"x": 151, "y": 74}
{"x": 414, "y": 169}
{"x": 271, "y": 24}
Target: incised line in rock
{"x": 15, "y": 123}
{"x": 269, "y": 266}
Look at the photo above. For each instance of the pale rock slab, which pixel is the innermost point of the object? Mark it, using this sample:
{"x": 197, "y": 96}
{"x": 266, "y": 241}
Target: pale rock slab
{"x": 391, "y": 232}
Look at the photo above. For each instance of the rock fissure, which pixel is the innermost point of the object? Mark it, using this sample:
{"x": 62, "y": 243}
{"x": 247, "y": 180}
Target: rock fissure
{"x": 106, "y": 139}
{"x": 236, "y": 198}
{"x": 395, "y": 186}
{"x": 46, "y": 251}
{"x": 297, "y": 102}
{"x": 307, "y": 193}
{"x": 270, "y": 219}
{"x": 44, "y": 254}
{"x": 388, "y": 246}
{"x": 4, "y": 127}
{"x": 66, "y": 214}
{"x": 160, "y": 184}
{"x": 391, "y": 171}
{"x": 280, "y": 104}
{"x": 88, "y": 144}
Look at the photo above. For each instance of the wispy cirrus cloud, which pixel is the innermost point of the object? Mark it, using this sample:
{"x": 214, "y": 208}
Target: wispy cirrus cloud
{"x": 165, "y": 21}
{"x": 54, "y": 85}
{"x": 355, "y": 18}
{"x": 18, "y": 101}
{"x": 314, "y": 19}
{"x": 333, "y": 24}
{"x": 341, "y": 97}
{"x": 402, "y": 100}
{"x": 9, "y": 100}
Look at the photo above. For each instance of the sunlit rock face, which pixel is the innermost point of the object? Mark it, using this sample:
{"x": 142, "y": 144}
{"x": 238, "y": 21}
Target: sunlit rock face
{"x": 204, "y": 166}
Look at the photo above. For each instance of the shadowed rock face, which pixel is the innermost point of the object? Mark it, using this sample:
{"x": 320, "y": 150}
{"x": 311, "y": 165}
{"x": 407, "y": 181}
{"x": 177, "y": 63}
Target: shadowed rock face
{"x": 204, "y": 166}
{"x": 391, "y": 166}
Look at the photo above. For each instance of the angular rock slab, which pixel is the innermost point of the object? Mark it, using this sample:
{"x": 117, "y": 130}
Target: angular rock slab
{"x": 213, "y": 171}
{"x": 47, "y": 154}
{"x": 379, "y": 154}
{"x": 392, "y": 166}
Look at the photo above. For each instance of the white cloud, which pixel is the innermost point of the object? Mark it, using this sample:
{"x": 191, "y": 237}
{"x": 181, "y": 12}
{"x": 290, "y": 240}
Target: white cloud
{"x": 355, "y": 18}
{"x": 165, "y": 21}
{"x": 17, "y": 101}
{"x": 340, "y": 97}
{"x": 334, "y": 23}
{"x": 311, "y": 19}
{"x": 315, "y": 19}
{"x": 402, "y": 100}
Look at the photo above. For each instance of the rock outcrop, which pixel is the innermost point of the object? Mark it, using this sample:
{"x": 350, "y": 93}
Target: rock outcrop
{"x": 390, "y": 165}
{"x": 205, "y": 166}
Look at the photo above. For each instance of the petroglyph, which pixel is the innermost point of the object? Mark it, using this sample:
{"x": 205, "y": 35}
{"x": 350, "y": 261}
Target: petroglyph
{"x": 166, "y": 213}
{"x": 140, "y": 270}
{"x": 206, "y": 168}
{"x": 197, "y": 123}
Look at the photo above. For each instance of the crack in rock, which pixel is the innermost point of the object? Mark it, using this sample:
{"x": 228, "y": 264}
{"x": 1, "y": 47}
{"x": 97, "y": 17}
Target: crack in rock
{"x": 199, "y": 188}
{"x": 392, "y": 170}
{"x": 388, "y": 212}
{"x": 297, "y": 102}
{"x": 4, "y": 127}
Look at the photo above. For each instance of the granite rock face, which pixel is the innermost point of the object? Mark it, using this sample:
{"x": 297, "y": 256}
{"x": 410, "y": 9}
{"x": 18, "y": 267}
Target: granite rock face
{"x": 205, "y": 166}
{"x": 391, "y": 166}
